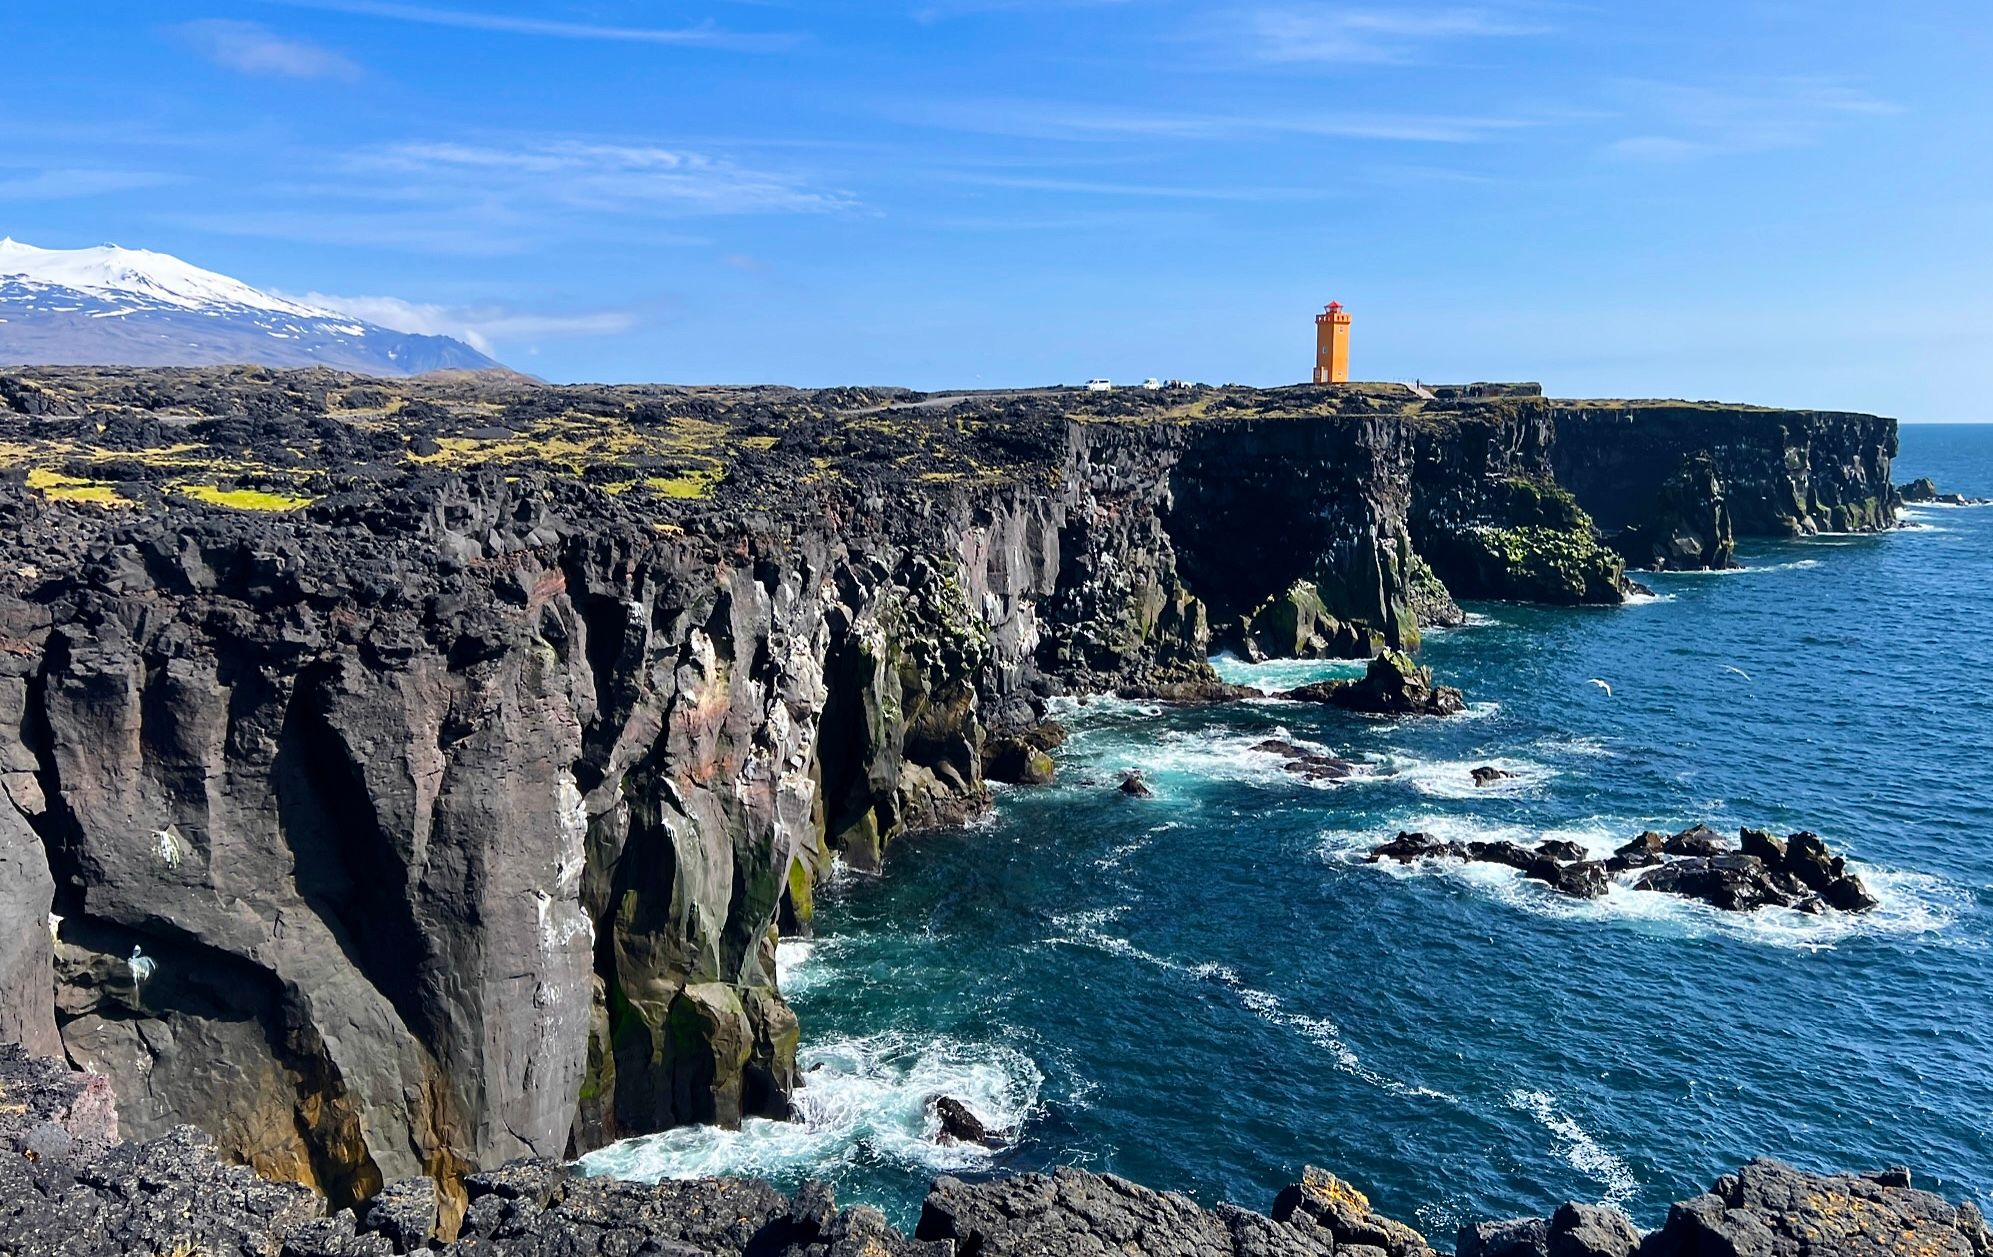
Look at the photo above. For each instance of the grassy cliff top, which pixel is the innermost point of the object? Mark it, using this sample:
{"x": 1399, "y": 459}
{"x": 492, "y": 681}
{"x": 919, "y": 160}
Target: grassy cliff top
{"x": 250, "y": 439}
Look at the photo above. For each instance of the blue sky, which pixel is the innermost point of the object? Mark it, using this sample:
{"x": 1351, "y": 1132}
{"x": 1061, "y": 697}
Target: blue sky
{"x": 1764, "y": 200}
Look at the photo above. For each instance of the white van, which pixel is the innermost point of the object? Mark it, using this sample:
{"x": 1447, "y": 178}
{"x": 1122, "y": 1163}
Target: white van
{"x": 1100, "y": 386}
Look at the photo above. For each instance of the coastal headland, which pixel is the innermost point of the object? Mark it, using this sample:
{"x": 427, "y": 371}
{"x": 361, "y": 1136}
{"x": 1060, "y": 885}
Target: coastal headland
{"x": 408, "y": 777}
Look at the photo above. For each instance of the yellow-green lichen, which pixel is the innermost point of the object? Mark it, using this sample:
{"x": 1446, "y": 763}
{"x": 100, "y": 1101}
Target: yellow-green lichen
{"x": 244, "y": 499}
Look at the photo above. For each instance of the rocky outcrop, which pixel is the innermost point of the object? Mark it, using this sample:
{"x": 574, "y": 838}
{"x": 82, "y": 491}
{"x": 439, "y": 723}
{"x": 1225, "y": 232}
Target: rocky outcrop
{"x": 1688, "y": 527}
{"x": 1924, "y": 491}
{"x": 1393, "y": 685}
{"x": 1764, "y": 872}
{"x": 1765, "y": 1209}
{"x": 405, "y": 777}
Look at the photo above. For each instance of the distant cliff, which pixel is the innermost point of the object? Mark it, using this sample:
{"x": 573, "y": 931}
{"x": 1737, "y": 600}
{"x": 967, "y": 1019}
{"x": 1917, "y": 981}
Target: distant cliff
{"x": 406, "y": 777}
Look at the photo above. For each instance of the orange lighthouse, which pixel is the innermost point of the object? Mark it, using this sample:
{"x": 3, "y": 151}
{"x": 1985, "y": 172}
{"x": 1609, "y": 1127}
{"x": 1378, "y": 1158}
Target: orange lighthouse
{"x": 1332, "y": 345}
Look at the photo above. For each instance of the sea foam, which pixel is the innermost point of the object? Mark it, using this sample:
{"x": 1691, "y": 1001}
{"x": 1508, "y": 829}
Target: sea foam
{"x": 862, "y": 1099}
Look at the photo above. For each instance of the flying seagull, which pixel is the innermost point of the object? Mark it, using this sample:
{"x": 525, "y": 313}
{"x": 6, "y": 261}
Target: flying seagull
{"x": 1739, "y": 671}
{"x": 1602, "y": 685}
{"x": 141, "y": 965}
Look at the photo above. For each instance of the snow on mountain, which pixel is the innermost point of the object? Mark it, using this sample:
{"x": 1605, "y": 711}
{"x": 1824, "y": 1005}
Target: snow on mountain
{"x": 134, "y": 307}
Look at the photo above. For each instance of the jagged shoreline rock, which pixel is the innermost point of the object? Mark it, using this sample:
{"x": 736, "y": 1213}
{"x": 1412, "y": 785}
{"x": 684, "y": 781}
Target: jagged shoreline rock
{"x": 1797, "y": 872}
{"x": 80, "y": 1193}
{"x": 456, "y": 750}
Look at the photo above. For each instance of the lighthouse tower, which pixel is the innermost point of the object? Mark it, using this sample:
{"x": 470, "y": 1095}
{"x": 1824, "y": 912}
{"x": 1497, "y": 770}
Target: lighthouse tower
{"x": 1332, "y": 345}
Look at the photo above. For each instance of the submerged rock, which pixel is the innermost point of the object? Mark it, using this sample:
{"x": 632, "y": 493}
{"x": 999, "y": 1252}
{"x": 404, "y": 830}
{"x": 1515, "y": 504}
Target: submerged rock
{"x": 1393, "y": 685}
{"x": 1135, "y": 787}
{"x": 1303, "y": 762}
{"x": 1488, "y": 775}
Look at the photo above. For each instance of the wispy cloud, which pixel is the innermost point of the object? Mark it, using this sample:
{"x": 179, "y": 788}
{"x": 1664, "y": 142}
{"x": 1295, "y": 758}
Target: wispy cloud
{"x": 1057, "y": 121}
{"x": 484, "y": 328}
{"x": 1340, "y": 33}
{"x": 1700, "y": 121}
{"x": 251, "y": 48}
{"x": 1144, "y": 191}
{"x": 62, "y": 184}
{"x": 616, "y": 178}
{"x": 703, "y": 35}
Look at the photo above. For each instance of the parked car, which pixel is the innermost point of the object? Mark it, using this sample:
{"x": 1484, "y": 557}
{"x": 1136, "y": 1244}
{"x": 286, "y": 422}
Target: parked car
{"x": 1100, "y": 386}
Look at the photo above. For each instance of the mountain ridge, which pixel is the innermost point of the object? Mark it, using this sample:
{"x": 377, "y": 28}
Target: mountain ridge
{"x": 112, "y": 306}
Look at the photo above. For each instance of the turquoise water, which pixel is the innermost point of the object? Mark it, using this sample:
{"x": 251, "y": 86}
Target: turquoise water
{"x": 1207, "y": 990}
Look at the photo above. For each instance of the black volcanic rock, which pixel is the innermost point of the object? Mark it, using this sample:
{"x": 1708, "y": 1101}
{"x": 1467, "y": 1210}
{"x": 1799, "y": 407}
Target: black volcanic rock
{"x": 413, "y": 729}
{"x": 1393, "y": 685}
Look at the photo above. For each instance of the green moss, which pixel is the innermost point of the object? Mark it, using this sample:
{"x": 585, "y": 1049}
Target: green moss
{"x": 58, "y": 487}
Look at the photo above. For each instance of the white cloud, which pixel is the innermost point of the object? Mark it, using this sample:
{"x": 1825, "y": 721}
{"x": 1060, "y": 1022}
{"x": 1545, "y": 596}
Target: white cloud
{"x": 250, "y": 48}
{"x": 1699, "y": 121}
{"x": 608, "y": 177}
{"x": 60, "y": 185}
{"x": 1318, "y": 32}
{"x": 1056, "y": 121}
{"x": 705, "y": 35}
{"x": 481, "y": 327}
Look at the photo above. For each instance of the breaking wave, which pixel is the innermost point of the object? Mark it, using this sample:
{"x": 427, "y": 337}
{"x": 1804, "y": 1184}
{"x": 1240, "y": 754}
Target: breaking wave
{"x": 863, "y": 1099}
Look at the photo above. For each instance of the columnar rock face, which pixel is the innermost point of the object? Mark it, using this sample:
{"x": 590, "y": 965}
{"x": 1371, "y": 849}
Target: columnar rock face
{"x": 1776, "y": 473}
{"x": 400, "y": 779}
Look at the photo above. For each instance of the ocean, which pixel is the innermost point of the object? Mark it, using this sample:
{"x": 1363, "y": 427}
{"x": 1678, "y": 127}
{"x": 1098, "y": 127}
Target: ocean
{"x": 1208, "y": 989}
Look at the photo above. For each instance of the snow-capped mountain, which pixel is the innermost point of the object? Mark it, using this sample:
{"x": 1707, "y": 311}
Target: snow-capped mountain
{"x": 131, "y": 307}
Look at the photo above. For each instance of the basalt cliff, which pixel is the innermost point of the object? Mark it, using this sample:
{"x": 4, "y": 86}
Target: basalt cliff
{"x": 404, "y": 778}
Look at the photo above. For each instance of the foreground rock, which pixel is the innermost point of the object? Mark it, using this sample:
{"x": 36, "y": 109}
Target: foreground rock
{"x": 69, "y": 1189}
{"x": 1093, "y": 1215}
{"x": 1797, "y": 872}
{"x": 1766, "y": 1209}
{"x": 1393, "y": 685}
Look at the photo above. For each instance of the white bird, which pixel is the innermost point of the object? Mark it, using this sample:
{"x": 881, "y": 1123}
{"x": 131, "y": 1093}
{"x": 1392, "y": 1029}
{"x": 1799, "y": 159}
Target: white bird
{"x": 1739, "y": 671}
{"x": 141, "y": 965}
{"x": 1602, "y": 685}
{"x": 55, "y": 927}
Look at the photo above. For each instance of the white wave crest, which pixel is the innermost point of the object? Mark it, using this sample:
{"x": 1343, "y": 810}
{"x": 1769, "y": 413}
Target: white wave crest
{"x": 1083, "y": 930}
{"x": 1454, "y": 778}
{"x": 1577, "y": 1146}
{"x": 862, "y": 1099}
{"x": 1277, "y": 675}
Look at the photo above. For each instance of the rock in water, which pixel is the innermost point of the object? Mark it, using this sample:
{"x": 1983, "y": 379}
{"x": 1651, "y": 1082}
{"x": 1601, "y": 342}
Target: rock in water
{"x": 1017, "y": 762}
{"x": 1488, "y": 775}
{"x": 1409, "y": 848}
{"x": 1393, "y": 685}
{"x": 959, "y": 1124}
{"x": 1583, "y": 879}
{"x": 1134, "y": 786}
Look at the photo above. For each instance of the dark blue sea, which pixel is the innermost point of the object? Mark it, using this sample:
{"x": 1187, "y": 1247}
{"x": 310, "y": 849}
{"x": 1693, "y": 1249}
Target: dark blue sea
{"x": 1208, "y": 989}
